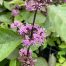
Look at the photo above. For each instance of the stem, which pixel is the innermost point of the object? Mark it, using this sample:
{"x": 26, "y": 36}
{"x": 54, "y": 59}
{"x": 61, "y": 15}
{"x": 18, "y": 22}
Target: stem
{"x": 13, "y": 18}
{"x": 33, "y": 24}
{"x": 28, "y": 51}
{"x": 32, "y": 31}
{"x": 34, "y": 17}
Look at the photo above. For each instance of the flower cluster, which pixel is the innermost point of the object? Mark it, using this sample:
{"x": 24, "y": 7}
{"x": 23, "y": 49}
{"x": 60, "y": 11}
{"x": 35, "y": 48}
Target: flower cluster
{"x": 24, "y": 59}
{"x": 25, "y": 31}
{"x": 32, "y": 5}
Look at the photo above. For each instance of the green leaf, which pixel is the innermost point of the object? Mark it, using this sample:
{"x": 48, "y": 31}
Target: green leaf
{"x": 62, "y": 52}
{"x": 18, "y": 2}
{"x": 13, "y": 55}
{"x": 57, "y": 19}
{"x": 40, "y": 18}
{"x": 41, "y": 62}
{"x": 34, "y": 55}
{"x": 64, "y": 64}
{"x": 5, "y": 17}
{"x": 28, "y": 17}
{"x": 9, "y": 40}
{"x": 24, "y": 15}
{"x": 63, "y": 45}
{"x": 58, "y": 64}
{"x": 2, "y": 9}
{"x": 8, "y": 6}
{"x": 13, "y": 62}
{"x": 61, "y": 59}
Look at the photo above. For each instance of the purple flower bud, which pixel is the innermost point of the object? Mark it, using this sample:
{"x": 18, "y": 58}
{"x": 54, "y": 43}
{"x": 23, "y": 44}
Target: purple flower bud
{"x": 15, "y": 12}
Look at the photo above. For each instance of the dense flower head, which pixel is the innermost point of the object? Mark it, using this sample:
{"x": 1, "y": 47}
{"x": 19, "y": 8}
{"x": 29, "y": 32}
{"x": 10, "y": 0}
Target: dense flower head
{"x": 32, "y": 5}
{"x": 27, "y": 61}
{"x": 24, "y": 59}
{"x": 24, "y": 30}
{"x": 37, "y": 38}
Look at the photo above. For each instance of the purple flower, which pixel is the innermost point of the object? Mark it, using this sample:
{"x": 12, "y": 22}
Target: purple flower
{"x": 15, "y": 12}
{"x": 32, "y": 5}
{"x": 27, "y": 61}
{"x": 22, "y": 30}
{"x": 64, "y": 0}
{"x": 23, "y": 52}
{"x": 16, "y": 24}
{"x": 26, "y": 42}
{"x": 29, "y": 5}
{"x": 38, "y": 36}
{"x": 29, "y": 27}
{"x": 24, "y": 59}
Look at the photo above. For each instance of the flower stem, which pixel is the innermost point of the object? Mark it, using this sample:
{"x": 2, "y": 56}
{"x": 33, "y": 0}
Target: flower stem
{"x": 33, "y": 24}
{"x": 28, "y": 51}
{"x": 32, "y": 31}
